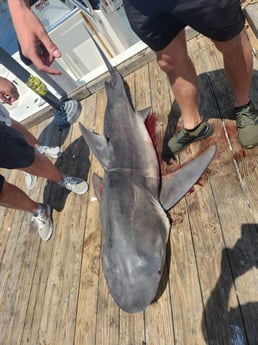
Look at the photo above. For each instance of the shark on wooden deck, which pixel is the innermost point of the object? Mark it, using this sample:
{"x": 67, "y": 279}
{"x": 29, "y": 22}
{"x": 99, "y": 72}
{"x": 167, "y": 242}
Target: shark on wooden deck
{"x": 133, "y": 198}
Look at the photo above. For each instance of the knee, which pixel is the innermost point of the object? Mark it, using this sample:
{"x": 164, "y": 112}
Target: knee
{"x": 234, "y": 45}
{"x": 165, "y": 63}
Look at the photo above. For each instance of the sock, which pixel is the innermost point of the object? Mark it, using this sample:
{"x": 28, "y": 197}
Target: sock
{"x": 192, "y": 130}
{"x": 38, "y": 209}
{"x": 242, "y": 106}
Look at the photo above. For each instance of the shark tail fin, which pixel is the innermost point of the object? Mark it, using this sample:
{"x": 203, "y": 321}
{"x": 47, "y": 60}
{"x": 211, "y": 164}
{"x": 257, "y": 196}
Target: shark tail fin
{"x": 176, "y": 185}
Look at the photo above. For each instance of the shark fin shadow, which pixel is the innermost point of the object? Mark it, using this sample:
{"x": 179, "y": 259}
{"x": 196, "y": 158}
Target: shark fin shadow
{"x": 52, "y": 136}
{"x": 172, "y": 125}
{"x": 74, "y": 162}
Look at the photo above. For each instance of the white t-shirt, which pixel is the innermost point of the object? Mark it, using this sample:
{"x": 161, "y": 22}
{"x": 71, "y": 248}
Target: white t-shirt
{"x": 4, "y": 115}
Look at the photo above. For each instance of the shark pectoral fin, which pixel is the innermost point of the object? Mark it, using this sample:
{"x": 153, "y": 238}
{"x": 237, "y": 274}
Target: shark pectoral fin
{"x": 97, "y": 144}
{"x": 97, "y": 182}
{"x": 176, "y": 185}
{"x": 144, "y": 113}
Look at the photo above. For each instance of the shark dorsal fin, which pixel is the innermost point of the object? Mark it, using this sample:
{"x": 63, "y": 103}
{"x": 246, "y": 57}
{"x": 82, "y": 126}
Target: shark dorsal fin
{"x": 176, "y": 185}
{"x": 144, "y": 113}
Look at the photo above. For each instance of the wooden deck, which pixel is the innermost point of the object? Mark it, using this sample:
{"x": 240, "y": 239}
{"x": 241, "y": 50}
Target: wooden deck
{"x": 54, "y": 293}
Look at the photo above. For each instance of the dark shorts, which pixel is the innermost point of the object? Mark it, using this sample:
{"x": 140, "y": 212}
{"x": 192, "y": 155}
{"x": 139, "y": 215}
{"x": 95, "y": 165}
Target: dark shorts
{"x": 1, "y": 182}
{"x": 14, "y": 151}
{"x": 157, "y": 22}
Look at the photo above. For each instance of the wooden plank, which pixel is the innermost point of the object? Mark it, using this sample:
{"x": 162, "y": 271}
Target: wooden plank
{"x": 158, "y": 316}
{"x": 244, "y": 213}
{"x": 184, "y": 280}
{"x": 186, "y": 299}
{"x": 251, "y": 13}
{"x": 89, "y": 280}
{"x": 30, "y": 262}
{"x": 70, "y": 268}
{"x": 60, "y": 301}
{"x": 20, "y": 272}
{"x": 246, "y": 160}
{"x": 88, "y": 298}
{"x": 7, "y": 216}
{"x": 25, "y": 249}
{"x": 231, "y": 215}
{"x": 43, "y": 262}
{"x": 55, "y": 279}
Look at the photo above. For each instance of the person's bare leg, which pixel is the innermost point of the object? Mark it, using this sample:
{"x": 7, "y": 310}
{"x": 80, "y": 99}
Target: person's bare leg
{"x": 13, "y": 197}
{"x": 45, "y": 150}
{"x": 238, "y": 62}
{"x": 29, "y": 137}
{"x": 43, "y": 167}
{"x": 176, "y": 63}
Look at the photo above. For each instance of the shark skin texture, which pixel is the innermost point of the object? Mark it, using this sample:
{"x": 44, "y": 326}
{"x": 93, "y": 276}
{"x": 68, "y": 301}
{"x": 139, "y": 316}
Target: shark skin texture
{"x": 133, "y": 198}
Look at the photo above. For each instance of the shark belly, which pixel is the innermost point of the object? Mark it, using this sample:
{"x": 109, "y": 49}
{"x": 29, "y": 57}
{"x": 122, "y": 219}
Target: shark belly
{"x": 135, "y": 231}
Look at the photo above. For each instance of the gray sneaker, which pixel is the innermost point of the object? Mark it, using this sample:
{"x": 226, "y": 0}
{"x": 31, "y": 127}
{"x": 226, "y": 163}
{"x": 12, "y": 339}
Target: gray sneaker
{"x": 51, "y": 151}
{"x": 30, "y": 180}
{"x": 74, "y": 184}
{"x": 41, "y": 218}
{"x": 247, "y": 124}
{"x": 184, "y": 137}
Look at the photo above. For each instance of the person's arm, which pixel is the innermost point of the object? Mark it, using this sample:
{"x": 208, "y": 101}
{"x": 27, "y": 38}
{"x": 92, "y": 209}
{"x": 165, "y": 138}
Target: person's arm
{"x": 8, "y": 91}
{"x": 35, "y": 43}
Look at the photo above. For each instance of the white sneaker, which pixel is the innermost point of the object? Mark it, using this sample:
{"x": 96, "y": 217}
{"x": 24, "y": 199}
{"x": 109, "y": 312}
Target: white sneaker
{"x": 51, "y": 151}
{"x": 74, "y": 184}
{"x": 30, "y": 180}
{"x": 43, "y": 222}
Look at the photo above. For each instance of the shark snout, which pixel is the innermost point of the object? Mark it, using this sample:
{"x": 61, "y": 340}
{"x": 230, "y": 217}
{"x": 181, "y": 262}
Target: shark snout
{"x": 134, "y": 288}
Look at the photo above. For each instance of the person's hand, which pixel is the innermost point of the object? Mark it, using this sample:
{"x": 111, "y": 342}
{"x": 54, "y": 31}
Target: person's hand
{"x": 8, "y": 91}
{"x": 35, "y": 43}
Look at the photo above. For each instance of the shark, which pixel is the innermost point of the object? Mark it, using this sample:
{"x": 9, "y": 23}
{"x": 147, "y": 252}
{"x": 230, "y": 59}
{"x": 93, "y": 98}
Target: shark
{"x": 134, "y": 199}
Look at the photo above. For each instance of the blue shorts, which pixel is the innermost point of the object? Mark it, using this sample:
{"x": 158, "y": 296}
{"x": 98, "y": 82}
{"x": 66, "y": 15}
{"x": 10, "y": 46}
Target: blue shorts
{"x": 14, "y": 151}
{"x": 157, "y": 22}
